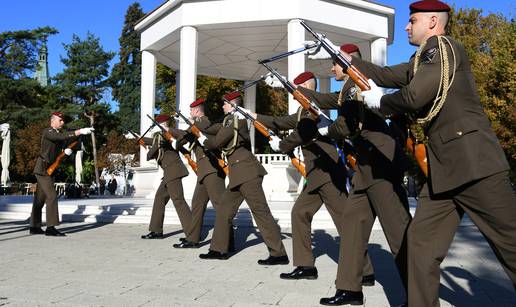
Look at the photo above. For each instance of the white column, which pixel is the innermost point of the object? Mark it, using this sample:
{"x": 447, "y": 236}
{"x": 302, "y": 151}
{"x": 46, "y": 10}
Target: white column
{"x": 250, "y": 103}
{"x": 188, "y": 67}
{"x": 324, "y": 85}
{"x": 379, "y": 51}
{"x": 178, "y": 89}
{"x": 148, "y": 97}
{"x": 296, "y": 62}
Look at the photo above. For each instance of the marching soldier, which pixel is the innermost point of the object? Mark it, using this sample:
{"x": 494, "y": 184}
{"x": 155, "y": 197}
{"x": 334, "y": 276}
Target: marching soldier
{"x": 376, "y": 185}
{"x": 210, "y": 177}
{"x": 53, "y": 141}
{"x": 245, "y": 182}
{"x": 325, "y": 183}
{"x": 467, "y": 168}
{"x": 171, "y": 186}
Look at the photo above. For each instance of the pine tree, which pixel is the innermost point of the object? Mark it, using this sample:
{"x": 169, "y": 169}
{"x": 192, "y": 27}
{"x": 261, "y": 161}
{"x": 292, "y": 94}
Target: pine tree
{"x": 125, "y": 77}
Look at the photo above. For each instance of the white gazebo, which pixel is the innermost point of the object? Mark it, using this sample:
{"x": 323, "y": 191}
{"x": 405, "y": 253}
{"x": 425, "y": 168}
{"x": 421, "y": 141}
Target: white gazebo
{"x": 224, "y": 38}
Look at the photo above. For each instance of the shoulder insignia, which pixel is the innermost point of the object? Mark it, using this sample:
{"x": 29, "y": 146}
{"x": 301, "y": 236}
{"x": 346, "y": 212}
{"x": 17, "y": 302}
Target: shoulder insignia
{"x": 429, "y": 55}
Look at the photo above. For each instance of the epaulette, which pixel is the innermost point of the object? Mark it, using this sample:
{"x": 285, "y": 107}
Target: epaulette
{"x": 428, "y": 56}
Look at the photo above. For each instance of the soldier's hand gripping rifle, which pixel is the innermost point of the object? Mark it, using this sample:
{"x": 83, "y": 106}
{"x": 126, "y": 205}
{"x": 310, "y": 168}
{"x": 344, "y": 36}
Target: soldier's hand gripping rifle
{"x": 298, "y": 164}
{"x": 357, "y": 76}
{"x": 169, "y": 137}
{"x": 139, "y": 139}
{"x": 197, "y": 133}
{"x": 53, "y": 166}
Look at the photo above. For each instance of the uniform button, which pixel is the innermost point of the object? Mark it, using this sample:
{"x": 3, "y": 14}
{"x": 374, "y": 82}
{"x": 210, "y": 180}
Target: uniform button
{"x": 459, "y": 133}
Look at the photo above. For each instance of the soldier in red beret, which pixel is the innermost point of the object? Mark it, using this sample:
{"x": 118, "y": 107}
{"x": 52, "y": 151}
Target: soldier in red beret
{"x": 171, "y": 187}
{"x": 210, "y": 177}
{"x": 53, "y": 142}
{"x": 467, "y": 168}
{"x": 376, "y": 185}
{"x": 245, "y": 182}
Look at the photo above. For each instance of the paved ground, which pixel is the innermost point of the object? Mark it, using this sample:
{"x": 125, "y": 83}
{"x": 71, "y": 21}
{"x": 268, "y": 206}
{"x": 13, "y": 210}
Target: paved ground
{"x": 108, "y": 265}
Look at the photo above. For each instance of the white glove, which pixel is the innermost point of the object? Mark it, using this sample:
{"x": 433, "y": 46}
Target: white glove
{"x": 173, "y": 143}
{"x": 272, "y": 81}
{"x": 68, "y": 151}
{"x": 85, "y": 131}
{"x": 323, "y": 131}
{"x": 372, "y": 97}
{"x": 274, "y": 143}
{"x": 247, "y": 111}
{"x": 202, "y": 139}
{"x": 320, "y": 53}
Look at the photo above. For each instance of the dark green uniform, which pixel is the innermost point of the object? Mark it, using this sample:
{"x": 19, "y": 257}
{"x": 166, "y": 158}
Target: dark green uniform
{"x": 376, "y": 185}
{"x": 245, "y": 182}
{"x": 171, "y": 186}
{"x": 210, "y": 178}
{"x": 52, "y": 143}
{"x": 325, "y": 182}
{"x": 468, "y": 171}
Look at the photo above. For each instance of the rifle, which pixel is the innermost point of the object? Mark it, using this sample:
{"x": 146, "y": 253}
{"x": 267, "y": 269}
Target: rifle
{"x": 53, "y": 166}
{"x": 197, "y": 133}
{"x": 310, "y": 106}
{"x": 139, "y": 139}
{"x": 289, "y": 53}
{"x": 358, "y": 77}
{"x": 299, "y": 165}
{"x": 418, "y": 150}
{"x": 169, "y": 137}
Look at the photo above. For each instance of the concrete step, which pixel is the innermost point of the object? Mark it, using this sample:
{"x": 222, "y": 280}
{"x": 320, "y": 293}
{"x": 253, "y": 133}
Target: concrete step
{"x": 138, "y": 211}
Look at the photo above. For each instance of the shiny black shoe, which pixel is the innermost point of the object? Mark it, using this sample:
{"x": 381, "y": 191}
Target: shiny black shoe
{"x": 301, "y": 272}
{"x": 36, "y": 231}
{"x": 214, "y": 255}
{"x": 153, "y": 235}
{"x": 53, "y": 232}
{"x": 182, "y": 239}
{"x": 344, "y": 297}
{"x": 368, "y": 280}
{"x": 186, "y": 244}
{"x": 274, "y": 260}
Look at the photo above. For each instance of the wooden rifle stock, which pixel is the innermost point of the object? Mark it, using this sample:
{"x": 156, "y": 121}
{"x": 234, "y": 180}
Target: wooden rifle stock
{"x": 53, "y": 166}
{"x": 298, "y": 164}
{"x": 418, "y": 150}
{"x": 185, "y": 153}
{"x": 352, "y": 161}
{"x": 358, "y": 78}
{"x": 305, "y": 104}
{"x": 140, "y": 140}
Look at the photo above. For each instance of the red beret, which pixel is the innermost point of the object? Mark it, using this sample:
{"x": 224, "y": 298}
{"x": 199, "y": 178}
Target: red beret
{"x": 162, "y": 118}
{"x": 349, "y": 48}
{"x": 197, "y": 102}
{"x": 303, "y": 77}
{"x": 232, "y": 95}
{"x": 58, "y": 114}
{"x": 429, "y": 6}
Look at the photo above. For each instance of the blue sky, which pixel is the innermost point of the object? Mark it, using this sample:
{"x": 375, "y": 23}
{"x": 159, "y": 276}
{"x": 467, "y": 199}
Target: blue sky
{"x": 105, "y": 19}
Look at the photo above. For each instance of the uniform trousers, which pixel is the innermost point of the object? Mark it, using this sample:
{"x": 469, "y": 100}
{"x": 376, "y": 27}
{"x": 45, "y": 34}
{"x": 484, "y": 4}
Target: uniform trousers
{"x": 171, "y": 190}
{"x": 389, "y": 202}
{"x": 252, "y": 192}
{"x": 491, "y": 205}
{"x": 303, "y": 211}
{"x": 45, "y": 193}
{"x": 210, "y": 188}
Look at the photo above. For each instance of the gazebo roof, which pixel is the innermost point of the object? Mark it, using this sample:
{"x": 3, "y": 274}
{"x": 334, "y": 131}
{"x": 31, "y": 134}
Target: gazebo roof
{"x": 233, "y": 34}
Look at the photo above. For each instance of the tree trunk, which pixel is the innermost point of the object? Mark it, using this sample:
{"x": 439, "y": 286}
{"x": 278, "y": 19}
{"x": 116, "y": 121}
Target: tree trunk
{"x": 94, "y": 145}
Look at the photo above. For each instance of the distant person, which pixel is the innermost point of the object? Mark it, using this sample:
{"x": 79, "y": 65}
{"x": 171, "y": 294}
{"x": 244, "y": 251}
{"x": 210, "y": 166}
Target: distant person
{"x": 102, "y": 182}
{"x": 112, "y": 185}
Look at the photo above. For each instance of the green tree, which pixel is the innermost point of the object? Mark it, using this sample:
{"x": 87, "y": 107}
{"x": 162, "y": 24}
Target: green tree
{"x": 490, "y": 43}
{"x": 84, "y": 83}
{"x": 125, "y": 77}
{"x": 20, "y": 95}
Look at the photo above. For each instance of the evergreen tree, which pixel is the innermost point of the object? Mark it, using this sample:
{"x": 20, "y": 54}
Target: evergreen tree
{"x": 125, "y": 77}
{"x": 84, "y": 82}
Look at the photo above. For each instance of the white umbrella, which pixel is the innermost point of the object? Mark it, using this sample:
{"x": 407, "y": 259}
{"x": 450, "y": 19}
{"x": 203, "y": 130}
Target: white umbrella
{"x": 6, "y": 154}
{"x": 78, "y": 166}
